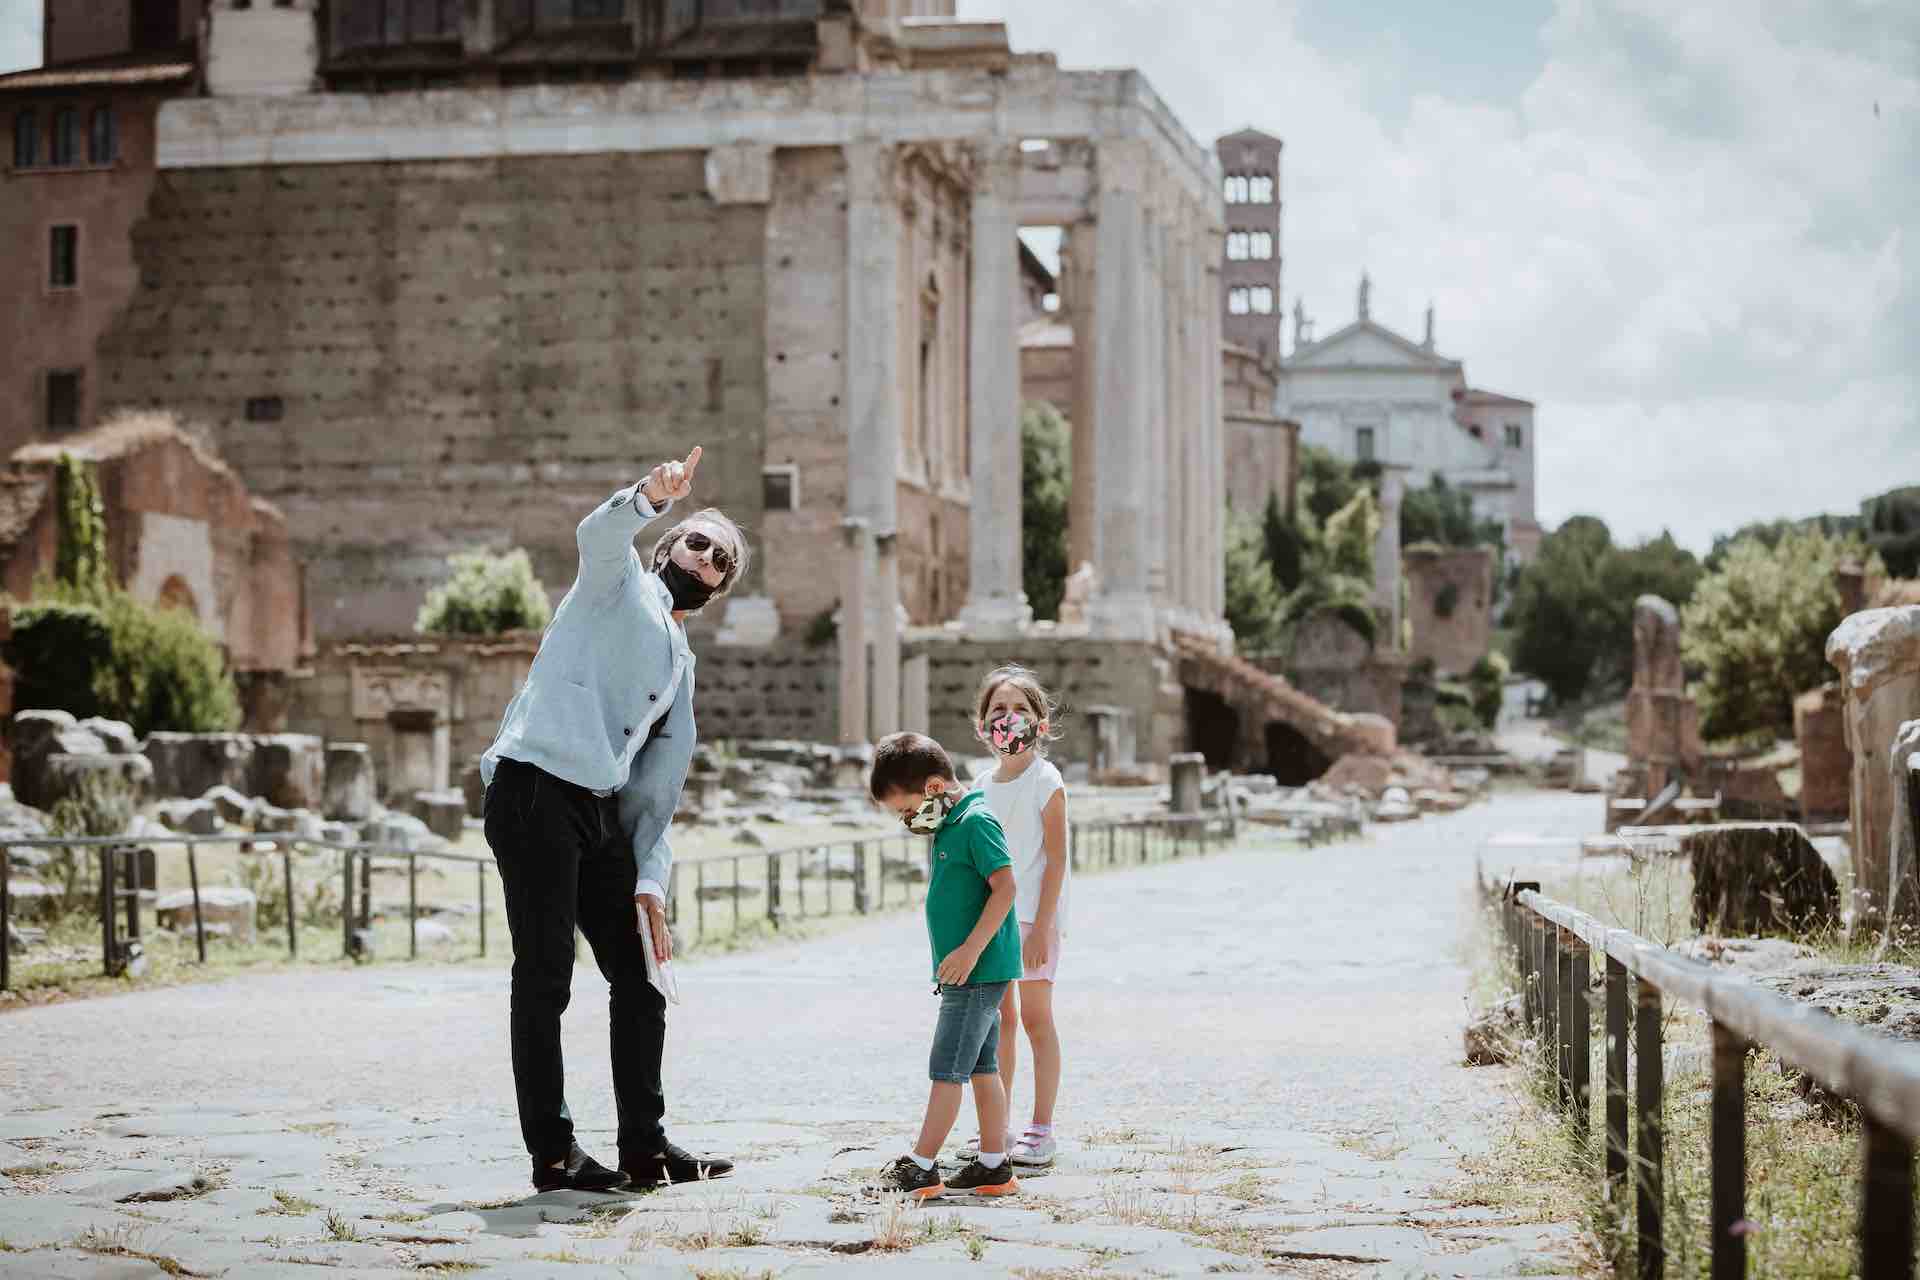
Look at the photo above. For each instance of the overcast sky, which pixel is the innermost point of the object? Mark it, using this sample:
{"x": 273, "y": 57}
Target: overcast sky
{"x": 1691, "y": 233}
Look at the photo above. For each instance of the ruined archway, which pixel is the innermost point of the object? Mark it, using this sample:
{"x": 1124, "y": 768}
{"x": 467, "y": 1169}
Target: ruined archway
{"x": 1213, "y": 728}
{"x": 1292, "y": 758}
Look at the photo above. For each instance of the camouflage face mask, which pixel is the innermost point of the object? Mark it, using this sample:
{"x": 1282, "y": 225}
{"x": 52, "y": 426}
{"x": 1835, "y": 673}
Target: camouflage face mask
{"x": 1012, "y": 732}
{"x": 933, "y": 811}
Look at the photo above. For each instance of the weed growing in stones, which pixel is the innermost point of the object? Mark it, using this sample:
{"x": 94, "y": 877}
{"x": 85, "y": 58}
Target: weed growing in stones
{"x": 341, "y": 1228}
{"x": 287, "y": 1204}
{"x": 976, "y": 1246}
{"x": 891, "y": 1231}
{"x": 126, "y": 1242}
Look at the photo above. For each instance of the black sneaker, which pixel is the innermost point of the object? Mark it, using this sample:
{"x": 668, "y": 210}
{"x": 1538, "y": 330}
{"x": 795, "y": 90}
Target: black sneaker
{"x": 903, "y": 1176}
{"x": 581, "y": 1172}
{"x": 978, "y": 1180}
{"x": 673, "y": 1165}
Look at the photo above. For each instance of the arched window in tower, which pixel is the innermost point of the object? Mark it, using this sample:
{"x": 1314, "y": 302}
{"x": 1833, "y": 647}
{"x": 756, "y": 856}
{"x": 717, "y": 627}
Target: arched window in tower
{"x": 1236, "y": 192}
{"x": 1260, "y": 189}
{"x": 1236, "y": 246}
{"x": 1260, "y": 298}
{"x": 1237, "y": 303}
{"x": 66, "y": 138}
{"x": 26, "y": 139}
{"x": 102, "y": 143}
{"x": 1260, "y": 246}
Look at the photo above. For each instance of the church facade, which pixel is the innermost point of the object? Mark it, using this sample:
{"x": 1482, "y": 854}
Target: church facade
{"x": 1365, "y": 393}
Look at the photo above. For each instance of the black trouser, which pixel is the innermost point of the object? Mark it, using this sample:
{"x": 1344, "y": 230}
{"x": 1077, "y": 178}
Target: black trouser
{"x": 564, "y": 862}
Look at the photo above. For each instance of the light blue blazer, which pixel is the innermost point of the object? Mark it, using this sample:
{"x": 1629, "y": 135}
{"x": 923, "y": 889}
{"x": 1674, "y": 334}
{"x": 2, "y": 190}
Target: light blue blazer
{"x": 604, "y": 673}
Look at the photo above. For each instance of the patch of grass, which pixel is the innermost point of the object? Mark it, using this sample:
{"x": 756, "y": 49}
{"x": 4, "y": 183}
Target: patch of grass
{"x": 321, "y": 1128}
{"x": 1112, "y": 1137}
{"x": 732, "y": 1273}
{"x": 23, "y": 1171}
{"x": 976, "y": 1246}
{"x": 1249, "y": 1187}
{"x": 8, "y": 1246}
{"x": 564, "y": 1255}
{"x": 289, "y": 1205}
{"x": 341, "y": 1228}
{"x": 891, "y": 1229}
{"x": 1371, "y": 1145}
{"x": 124, "y": 1242}
{"x": 450, "y": 1268}
{"x": 400, "y": 1219}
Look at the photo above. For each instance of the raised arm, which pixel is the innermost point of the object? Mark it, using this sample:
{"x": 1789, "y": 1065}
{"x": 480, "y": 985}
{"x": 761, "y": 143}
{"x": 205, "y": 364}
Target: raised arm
{"x": 606, "y": 535}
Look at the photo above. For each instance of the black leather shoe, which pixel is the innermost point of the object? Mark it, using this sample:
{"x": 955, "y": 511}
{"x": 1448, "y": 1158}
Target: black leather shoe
{"x": 580, "y": 1173}
{"x": 673, "y": 1165}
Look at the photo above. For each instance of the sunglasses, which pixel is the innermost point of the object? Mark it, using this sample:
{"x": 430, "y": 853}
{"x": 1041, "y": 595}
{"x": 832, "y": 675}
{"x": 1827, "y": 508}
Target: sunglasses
{"x": 718, "y": 556}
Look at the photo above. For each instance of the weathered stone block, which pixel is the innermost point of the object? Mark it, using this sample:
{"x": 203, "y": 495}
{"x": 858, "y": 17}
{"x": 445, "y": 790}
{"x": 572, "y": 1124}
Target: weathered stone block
{"x": 348, "y": 786}
{"x": 117, "y": 734}
{"x": 231, "y": 805}
{"x": 444, "y": 812}
{"x": 62, "y": 775}
{"x": 289, "y": 769}
{"x": 190, "y": 764}
{"x": 1826, "y": 766}
{"x": 1758, "y": 877}
{"x": 1877, "y": 652}
{"x": 194, "y": 817}
{"x": 231, "y": 909}
{"x": 1189, "y": 771}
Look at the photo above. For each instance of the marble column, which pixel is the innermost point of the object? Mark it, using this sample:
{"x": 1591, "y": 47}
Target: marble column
{"x": 1213, "y": 420}
{"x": 874, "y": 405}
{"x": 996, "y": 599}
{"x": 1079, "y": 267}
{"x": 1386, "y": 553}
{"x": 1161, "y": 529}
{"x": 856, "y": 578}
{"x": 1122, "y": 608}
{"x": 884, "y": 619}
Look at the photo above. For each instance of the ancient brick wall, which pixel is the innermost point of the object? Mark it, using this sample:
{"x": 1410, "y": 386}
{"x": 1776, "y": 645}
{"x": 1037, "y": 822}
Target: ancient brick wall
{"x": 1450, "y": 603}
{"x": 414, "y": 358}
{"x": 1080, "y": 672}
{"x": 785, "y": 690}
{"x": 806, "y": 293}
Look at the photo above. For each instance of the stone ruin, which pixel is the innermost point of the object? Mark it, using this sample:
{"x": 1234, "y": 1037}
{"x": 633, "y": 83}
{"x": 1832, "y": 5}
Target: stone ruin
{"x": 1663, "y": 722}
{"x": 1877, "y": 652}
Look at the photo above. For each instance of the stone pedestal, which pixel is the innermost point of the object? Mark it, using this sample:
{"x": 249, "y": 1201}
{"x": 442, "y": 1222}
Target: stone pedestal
{"x": 1826, "y": 766}
{"x": 415, "y": 761}
{"x": 1878, "y": 655}
{"x": 289, "y": 770}
{"x": 349, "y": 787}
{"x": 1189, "y": 774}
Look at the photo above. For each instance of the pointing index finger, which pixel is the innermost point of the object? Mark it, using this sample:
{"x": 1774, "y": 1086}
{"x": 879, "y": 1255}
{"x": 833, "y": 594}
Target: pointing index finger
{"x": 693, "y": 460}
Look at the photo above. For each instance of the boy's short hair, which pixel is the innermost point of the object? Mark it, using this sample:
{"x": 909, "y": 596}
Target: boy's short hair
{"x": 904, "y": 762}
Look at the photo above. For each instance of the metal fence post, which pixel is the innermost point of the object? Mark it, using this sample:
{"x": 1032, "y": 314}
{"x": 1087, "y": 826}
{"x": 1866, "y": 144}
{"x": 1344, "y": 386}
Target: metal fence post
{"x": 860, "y": 904}
{"x": 199, "y": 924}
{"x": 1550, "y": 991}
{"x": 1649, "y": 1156}
{"x": 1616, "y": 1079}
{"x": 773, "y": 888}
{"x": 106, "y": 911}
{"x": 346, "y": 903}
{"x": 1580, "y": 1044}
{"x": 293, "y": 931}
{"x": 1564, "y": 1014}
{"x": 1729, "y": 1155}
{"x": 413, "y": 908}
{"x": 480, "y": 876}
{"x": 700, "y": 901}
{"x": 6, "y": 916}
{"x": 1886, "y": 1202}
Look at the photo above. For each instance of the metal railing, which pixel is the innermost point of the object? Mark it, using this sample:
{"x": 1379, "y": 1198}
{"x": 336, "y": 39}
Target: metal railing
{"x": 1555, "y": 946}
{"x": 120, "y": 890}
{"x": 869, "y": 867}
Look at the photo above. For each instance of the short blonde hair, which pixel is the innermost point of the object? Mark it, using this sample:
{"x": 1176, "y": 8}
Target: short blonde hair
{"x": 735, "y": 543}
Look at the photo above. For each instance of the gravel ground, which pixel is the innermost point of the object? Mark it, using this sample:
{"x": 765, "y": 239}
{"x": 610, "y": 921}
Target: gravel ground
{"x": 1262, "y": 1075}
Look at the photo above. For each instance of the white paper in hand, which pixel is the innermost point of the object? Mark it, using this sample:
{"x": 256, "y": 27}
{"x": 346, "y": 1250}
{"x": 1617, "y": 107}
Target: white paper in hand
{"x": 660, "y": 975}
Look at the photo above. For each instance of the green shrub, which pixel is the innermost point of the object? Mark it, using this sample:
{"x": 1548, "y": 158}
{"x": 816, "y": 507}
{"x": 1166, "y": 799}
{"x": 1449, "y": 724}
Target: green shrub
{"x": 1045, "y": 480}
{"x": 1756, "y": 629}
{"x": 487, "y": 595}
{"x": 1487, "y": 683}
{"x": 1253, "y": 601}
{"x": 104, "y": 653}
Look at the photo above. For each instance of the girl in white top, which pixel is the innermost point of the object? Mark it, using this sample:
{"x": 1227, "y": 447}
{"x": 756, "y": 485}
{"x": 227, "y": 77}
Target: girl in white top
{"x": 1014, "y": 716}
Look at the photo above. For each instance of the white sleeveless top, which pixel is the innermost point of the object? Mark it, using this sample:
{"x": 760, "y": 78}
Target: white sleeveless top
{"x": 1018, "y": 805}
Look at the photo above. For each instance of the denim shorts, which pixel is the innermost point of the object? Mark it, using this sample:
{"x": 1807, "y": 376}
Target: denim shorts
{"x": 966, "y": 1040}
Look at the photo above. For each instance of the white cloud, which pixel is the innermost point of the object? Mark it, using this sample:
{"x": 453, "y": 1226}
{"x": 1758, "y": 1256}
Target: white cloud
{"x": 19, "y": 35}
{"x": 1692, "y": 239}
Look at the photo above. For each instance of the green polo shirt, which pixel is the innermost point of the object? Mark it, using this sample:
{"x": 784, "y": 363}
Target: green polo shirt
{"x": 969, "y": 847}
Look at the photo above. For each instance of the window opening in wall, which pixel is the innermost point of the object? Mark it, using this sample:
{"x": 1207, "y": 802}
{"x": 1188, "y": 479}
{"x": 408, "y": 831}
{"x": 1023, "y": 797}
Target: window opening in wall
{"x": 26, "y": 139}
{"x": 1049, "y": 302}
{"x": 1516, "y": 438}
{"x": 265, "y": 408}
{"x": 1363, "y": 444}
{"x": 1260, "y": 246}
{"x": 1236, "y": 188}
{"x": 1261, "y": 297}
{"x": 1236, "y": 246}
{"x": 1031, "y": 145}
{"x": 780, "y": 488}
{"x": 63, "y": 400}
{"x": 63, "y": 257}
{"x": 1237, "y": 301}
{"x": 103, "y": 142}
{"x": 1260, "y": 189}
{"x": 66, "y": 138}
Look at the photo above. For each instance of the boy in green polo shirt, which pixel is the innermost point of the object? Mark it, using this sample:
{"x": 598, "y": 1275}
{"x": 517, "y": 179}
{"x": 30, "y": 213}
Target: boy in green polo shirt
{"x": 976, "y": 953}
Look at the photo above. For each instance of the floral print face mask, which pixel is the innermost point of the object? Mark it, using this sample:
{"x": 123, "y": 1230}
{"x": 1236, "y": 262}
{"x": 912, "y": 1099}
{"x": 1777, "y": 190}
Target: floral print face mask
{"x": 933, "y": 811}
{"x": 1012, "y": 732}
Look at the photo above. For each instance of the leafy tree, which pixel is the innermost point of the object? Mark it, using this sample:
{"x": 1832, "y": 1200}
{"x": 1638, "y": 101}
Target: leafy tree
{"x": 1253, "y": 601}
{"x": 1045, "y": 481}
{"x": 1350, "y": 534}
{"x": 1442, "y": 514}
{"x": 1756, "y": 629}
{"x": 1487, "y": 682}
{"x": 487, "y": 595}
{"x": 1285, "y": 548}
{"x": 1326, "y": 484}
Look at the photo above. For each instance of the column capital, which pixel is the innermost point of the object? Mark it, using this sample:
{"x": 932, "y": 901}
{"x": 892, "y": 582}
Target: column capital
{"x": 873, "y": 171}
{"x": 996, "y": 168}
{"x": 1122, "y": 164}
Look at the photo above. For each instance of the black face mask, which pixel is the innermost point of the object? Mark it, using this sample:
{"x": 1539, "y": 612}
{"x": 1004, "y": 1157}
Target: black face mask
{"x": 688, "y": 592}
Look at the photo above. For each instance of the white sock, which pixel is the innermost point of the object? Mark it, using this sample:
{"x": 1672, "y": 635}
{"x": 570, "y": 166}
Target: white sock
{"x": 992, "y": 1159}
{"x": 1039, "y": 1130}
{"x": 926, "y": 1166}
